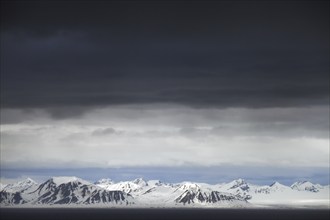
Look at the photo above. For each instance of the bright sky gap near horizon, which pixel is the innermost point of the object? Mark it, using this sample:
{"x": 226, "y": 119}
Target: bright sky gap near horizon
{"x": 199, "y": 91}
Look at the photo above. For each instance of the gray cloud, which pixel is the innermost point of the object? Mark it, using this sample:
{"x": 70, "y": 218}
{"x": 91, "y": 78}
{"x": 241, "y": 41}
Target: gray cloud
{"x": 290, "y": 122}
{"x": 105, "y": 131}
{"x": 171, "y": 136}
{"x": 226, "y": 55}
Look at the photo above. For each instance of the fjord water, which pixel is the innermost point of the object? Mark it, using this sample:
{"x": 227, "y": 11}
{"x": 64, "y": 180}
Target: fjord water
{"x": 158, "y": 214}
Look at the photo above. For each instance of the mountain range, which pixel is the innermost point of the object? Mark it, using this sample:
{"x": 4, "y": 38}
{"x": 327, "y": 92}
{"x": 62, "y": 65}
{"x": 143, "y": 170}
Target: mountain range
{"x": 73, "y": 191}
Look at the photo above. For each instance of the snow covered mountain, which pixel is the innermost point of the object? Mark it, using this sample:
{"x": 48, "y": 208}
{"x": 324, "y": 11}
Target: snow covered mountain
{"x": 278, "y": 194}
{"x": 237, "y": 187}
{"x": 196, "y": 194}
{"x": 13, "y": 193}
{"x": 66, "y": 190}
{"x": 306, "y": 186}
{"x": 20, "y": 186}
{"x": 155, "y": 193}
{"x": 125, "y": 186}
{"x": 74, "y": 191}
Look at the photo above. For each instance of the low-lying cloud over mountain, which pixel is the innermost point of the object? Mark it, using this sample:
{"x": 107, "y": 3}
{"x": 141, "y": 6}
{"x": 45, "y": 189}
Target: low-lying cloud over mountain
{"x": 169, "y": 136}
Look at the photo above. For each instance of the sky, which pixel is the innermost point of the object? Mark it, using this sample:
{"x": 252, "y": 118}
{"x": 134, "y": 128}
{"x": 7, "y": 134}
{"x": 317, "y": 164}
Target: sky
{"x": 202, "y": 91}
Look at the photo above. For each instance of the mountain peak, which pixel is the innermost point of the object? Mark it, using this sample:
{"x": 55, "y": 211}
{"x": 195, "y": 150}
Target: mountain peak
{"x": 276, "y": 185}
{"x": 29, "y": 180}
{"x": 240, "y": 181}
{"x": 20, "y": 186}
{"x": 237, "y": 183}
{"x": 140, "y": 181}
{"x": 66, "y": 179}
{"x": 306, "y": 186}
{"x": 189, "y": 186}
{"x": 105, "y": 181}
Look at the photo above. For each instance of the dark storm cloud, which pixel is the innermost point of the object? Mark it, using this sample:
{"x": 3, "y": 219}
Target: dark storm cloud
{"x": 57, "y": 55}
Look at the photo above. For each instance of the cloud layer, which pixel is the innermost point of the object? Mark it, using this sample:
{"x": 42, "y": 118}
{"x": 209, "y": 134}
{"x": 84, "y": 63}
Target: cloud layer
{"x": 169, "y": 136}
{"x": 238, "y": 54}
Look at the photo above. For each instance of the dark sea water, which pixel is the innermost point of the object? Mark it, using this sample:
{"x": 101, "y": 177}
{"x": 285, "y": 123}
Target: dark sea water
{"x": 158, "y": 214}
